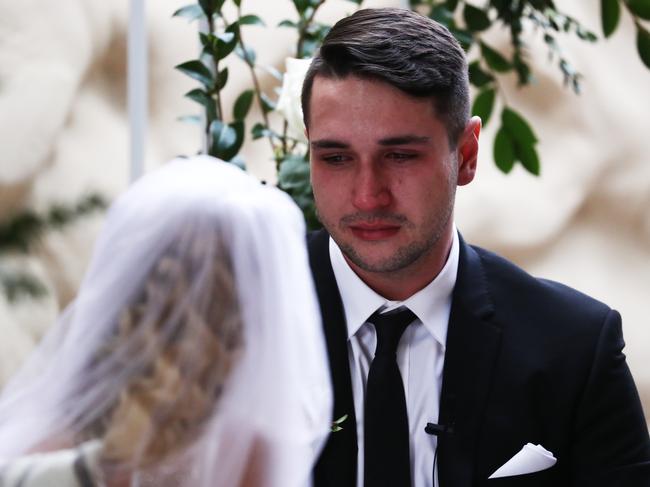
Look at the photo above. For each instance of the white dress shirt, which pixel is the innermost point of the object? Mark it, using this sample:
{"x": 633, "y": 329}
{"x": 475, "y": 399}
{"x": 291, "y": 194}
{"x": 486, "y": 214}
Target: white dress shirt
{"x": 420, "y": 353}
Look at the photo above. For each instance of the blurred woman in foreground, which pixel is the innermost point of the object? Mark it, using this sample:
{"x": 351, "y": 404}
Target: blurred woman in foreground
{"x": 192, "y": 355}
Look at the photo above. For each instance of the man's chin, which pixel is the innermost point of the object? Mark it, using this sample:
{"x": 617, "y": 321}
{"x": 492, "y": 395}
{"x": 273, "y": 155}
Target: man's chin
{"x": 370, "y": 261}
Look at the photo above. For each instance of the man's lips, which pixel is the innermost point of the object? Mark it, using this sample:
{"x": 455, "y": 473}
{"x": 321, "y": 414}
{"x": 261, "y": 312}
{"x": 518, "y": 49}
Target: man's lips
{"x": 374, "y": 231}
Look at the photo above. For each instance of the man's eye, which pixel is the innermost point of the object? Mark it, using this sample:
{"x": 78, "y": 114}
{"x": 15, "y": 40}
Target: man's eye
{"x": 334, "y": 159}
{"x": 400, "y": 156}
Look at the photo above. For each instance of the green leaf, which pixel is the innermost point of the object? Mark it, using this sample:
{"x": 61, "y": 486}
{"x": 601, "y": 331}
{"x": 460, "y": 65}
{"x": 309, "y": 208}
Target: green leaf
{"x": 440, "y": 13}
{"x": 224, "y": 138}
{"x": 504, "y": 150}
{"x": 200, "y": 96}
{"x": 477, "y": 76}
{"x": 209, "y": 42}
{"x": 301, "y": 5}
{"x": 517, "y": 127}
{"x": 205, "y": 100}
{"x": 287, "y": 23}
{"x": 483, "y": 105}
{"x": 222, "y": 79}
{"x": 515, "y": 140}
{"x": 522, "y": 69}
{"x": 20, "y": 285}
{"x": 640, "y": 8}
{"x": 317, "y": 32}
{"x": 527, "y": 154}
{"x": 643, "y": 44}
{"x": 239, "y": 128}
{"x": 243, "y": 105}
{"x": 227, "y": 42}
{"x": 268, "y": 105}
{"x": 260, "y": 130}
{"x": 199, "y": 71}
{"x": 550, "y": 41}
{"x": 206, "y": 6}
{"x": 190, "y": 12}
{"x": 309, "y": 47}
{"x": 464, "y": 37}
{"x": 494, "y": 59}
{"x": 476, "y": 19}
{"x": 341, "y": 419}
{"x": 211, "y": 7}
{"x": 451, "y": 5}
{"x": 20, "y": 232}
{"x": 586, "y": 35}
{"x": 540, "y": 4}
{"x": 251, "y": 20}
{"x": 293, "y": 175}
{"x": 226, "y": 37}
{"x": 237, "y": 3}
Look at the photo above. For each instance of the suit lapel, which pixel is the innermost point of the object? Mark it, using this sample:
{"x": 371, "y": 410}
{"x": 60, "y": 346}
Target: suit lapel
{"x": 337, "y": 465}
{"x": 473, "y": 343}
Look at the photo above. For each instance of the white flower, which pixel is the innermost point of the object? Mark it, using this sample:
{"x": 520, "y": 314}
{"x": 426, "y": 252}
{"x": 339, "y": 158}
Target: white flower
{"x": 289, "y": 100}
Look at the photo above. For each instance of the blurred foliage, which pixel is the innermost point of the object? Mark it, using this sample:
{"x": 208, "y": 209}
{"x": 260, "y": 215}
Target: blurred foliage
{"x": 515, "y": 139}
{"x": 22, "y": 232}
{"x": 225, "y": 133}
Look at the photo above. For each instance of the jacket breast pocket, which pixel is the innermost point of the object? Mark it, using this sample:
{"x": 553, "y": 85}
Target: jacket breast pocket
{"x": 544, "y": 478}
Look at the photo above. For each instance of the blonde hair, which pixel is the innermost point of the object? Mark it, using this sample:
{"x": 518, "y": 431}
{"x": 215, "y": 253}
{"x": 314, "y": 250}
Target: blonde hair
{"x": 163, "y": 409}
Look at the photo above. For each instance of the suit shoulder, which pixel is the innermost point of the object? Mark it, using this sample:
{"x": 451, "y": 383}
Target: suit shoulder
{"x": 507, "y": 281}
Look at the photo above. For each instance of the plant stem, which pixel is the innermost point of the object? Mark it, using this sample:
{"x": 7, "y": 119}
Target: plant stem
{"x": 283, "y": 146}
{"x": 215, "y": 60}
{"x": 302, "y": 33}
{"x": 256, "y": 83}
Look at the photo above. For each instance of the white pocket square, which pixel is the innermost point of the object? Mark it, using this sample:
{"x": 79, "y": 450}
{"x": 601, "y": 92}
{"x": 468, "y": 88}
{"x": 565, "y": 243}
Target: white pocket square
{"x": 531, "y": 458}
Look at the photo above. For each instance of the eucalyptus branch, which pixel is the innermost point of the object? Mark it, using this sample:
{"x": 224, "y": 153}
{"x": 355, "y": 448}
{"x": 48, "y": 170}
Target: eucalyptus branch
{"x": 256, "y": 83}
{"x": 285, "y": 128}
{"x": 302, "y": 31}
{"x": 302, "y": 35}
{"x": 215, "y": 60}
{"x": 21, "y": 233}
{"x": 294, "y": 143}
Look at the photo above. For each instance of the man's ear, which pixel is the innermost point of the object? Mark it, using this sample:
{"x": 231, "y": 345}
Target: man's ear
{"x": 467, "y": 151}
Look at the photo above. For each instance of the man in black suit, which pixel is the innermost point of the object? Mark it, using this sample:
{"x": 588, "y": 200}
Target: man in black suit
{"x": 491, "y": 361}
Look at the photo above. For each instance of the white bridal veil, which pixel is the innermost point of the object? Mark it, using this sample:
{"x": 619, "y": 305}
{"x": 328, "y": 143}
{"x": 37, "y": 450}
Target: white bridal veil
{"x": 273, "y": 407}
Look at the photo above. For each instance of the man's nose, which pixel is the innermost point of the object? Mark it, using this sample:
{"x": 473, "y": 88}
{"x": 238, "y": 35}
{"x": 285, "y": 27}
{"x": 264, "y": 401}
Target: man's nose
{"x": 371, "y": 189}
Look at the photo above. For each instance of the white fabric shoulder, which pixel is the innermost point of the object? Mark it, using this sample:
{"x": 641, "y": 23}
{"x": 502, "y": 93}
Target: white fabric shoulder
{"x": 58, "y": 468}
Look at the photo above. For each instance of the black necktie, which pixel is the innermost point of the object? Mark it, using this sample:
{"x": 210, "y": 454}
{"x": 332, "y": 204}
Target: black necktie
{"x": 386, "y": 429}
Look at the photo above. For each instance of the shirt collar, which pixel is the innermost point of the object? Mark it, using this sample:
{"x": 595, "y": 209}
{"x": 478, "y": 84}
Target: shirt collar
{"x": 431, "y": 304}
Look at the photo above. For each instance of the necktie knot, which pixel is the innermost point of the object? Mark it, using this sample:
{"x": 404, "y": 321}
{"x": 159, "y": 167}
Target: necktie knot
{"x": 389, "y": 327}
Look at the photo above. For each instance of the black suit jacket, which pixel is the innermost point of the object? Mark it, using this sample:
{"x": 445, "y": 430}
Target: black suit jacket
{"x": 527, "y": 360}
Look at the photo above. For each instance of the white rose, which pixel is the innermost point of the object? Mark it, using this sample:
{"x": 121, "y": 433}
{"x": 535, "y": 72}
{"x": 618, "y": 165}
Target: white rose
{"x": 289, "y": 100}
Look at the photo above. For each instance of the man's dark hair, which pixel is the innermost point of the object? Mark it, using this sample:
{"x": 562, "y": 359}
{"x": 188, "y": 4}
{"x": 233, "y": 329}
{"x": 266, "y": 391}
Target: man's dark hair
{"x": 404, "y": 49}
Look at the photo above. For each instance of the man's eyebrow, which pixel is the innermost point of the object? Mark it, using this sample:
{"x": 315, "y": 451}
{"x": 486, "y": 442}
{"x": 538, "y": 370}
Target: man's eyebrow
{"x": 329, "y": 144}
{"x": 404, "y": 140}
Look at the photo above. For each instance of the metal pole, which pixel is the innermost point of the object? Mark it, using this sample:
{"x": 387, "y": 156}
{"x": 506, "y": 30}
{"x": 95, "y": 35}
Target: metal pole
{"x": 137, "y": 86}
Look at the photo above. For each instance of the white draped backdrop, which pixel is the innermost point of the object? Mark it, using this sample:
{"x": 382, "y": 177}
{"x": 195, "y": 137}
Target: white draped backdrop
{"x": 65, "y": 130}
